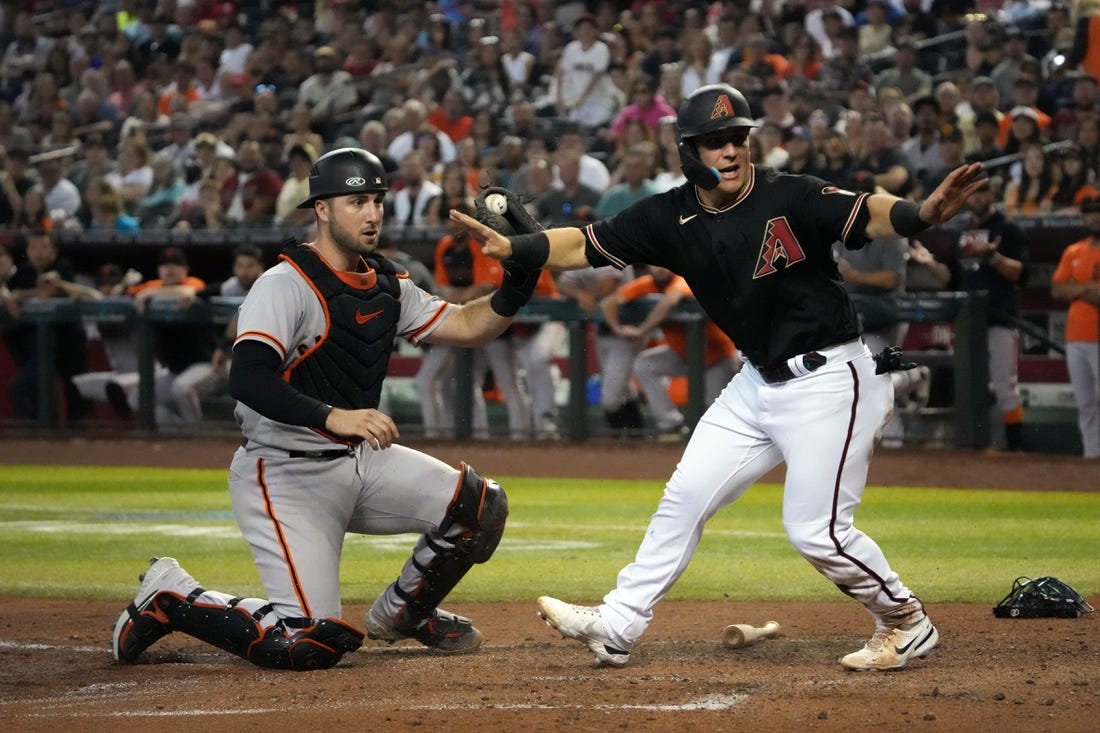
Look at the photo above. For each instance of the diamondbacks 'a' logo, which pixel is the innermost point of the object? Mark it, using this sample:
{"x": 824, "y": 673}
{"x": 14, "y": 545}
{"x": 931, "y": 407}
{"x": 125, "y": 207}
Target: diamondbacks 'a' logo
{"x": 722, "y": 107}
{"x": 779, "y": 242}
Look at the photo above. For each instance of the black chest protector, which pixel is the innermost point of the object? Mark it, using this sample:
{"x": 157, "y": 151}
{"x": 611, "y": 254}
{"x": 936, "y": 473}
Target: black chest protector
{"x": 346, "y": 366}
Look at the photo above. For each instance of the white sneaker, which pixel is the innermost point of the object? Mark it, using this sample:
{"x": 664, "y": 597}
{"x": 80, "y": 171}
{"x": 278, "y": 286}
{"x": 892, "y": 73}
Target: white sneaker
{"x": 142, "y": 623}
{"x": 584, "y": 624}
{"x": 893, "y": 648}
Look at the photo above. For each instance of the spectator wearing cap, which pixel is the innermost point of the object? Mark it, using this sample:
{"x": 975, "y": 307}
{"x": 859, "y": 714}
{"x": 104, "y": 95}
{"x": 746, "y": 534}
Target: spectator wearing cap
{"x": 583, "y": 92}
{"x": 484, "y": 82}
{"x": 923, "y": 149}
{"x": 1022, "y": 128}
{"x": 249, "y": 194}
{"x": 904, "y": 74}
{"x": 1075, "y": 181}
{"x": 1033, "y": 192}
{"x": 328, "y": 92}
{"x": 295, "y": 188}
{"x": 984, "y": 146}
{"x": 1006, "y": 73}
{"x": 802, "y": 156}
{"x": 178, "y": 345}
{"x": 951, "y": 145}
{"x": 983, "y": 100}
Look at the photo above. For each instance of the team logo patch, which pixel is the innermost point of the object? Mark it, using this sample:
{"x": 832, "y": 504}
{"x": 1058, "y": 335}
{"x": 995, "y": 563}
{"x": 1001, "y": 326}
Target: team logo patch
{"x": 722, "y": 108}
{"x": 355, "y": 182}
{"x": 834, "y": 189}
{"x": 779, "y": 243}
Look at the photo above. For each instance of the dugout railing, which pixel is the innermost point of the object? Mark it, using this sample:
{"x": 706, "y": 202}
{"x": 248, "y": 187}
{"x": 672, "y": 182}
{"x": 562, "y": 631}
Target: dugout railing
{"x": 966, "y": 312}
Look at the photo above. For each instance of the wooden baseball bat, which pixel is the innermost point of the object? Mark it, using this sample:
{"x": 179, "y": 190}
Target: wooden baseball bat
{"x": 736, "y": 636}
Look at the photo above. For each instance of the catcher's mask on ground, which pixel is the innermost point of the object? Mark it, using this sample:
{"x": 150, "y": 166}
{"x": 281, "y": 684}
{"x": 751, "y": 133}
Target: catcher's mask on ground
{"x": 1045, "y": 597}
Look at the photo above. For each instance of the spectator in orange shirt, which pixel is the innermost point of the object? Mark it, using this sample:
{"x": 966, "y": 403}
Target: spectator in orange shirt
{"x": 1077, "y": 280}
{"x": 463, "y": 273}
{"x": 450, "y": 116}
{"x": 180, "y": 347}
{"x": 657, "y": 366}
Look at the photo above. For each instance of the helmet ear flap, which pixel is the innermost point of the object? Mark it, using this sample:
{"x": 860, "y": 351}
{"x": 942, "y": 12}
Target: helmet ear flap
{"x": 701, "y": 175}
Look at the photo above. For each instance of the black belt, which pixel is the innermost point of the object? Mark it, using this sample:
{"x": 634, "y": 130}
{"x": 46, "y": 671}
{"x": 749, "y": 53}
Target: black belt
{"x": 811, "y": 361}
{"x": 326, "y": 455}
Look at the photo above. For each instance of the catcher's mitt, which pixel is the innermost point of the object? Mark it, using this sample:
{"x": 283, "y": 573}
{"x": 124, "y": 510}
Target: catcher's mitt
{"x": 1041, "y": 598}
{"x": 514, "y": 220}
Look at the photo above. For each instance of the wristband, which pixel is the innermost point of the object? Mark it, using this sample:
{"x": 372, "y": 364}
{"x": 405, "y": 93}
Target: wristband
{"x": 530, "y": 250}
{"x": 905, "y": 219}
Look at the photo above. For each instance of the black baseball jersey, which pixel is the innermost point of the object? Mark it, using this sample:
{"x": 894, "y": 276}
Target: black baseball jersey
{"x": 972, "y": 272}
{"x": 761, "y": 268}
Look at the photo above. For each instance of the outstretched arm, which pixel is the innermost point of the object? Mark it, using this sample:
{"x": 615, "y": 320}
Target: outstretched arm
{"x": 564, "y": 247}
{"x": 893, "y": 217}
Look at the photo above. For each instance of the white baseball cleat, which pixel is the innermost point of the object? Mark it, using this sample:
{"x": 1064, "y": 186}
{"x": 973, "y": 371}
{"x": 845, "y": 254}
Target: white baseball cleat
{"x": 142, "y": 623}
{"x": 893, "y": 648}
{"x": 584, "y": 624}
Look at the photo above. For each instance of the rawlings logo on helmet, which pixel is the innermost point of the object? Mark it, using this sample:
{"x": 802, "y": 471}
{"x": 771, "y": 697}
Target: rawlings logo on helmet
{"x": 355, "y": 182}
{"x": 722, "y": 108}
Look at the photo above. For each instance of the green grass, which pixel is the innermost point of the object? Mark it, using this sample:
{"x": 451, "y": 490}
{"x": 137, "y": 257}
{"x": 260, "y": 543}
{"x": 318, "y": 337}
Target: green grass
{"x": 85, "y": 533}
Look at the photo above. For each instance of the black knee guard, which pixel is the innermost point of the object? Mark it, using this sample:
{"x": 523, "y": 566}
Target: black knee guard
{"x": 481, "y": 506}
{"x": 480, "y": 509}
{"x": 297, "y": 644}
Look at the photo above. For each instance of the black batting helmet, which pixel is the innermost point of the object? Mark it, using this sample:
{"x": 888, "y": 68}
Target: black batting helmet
{"x": 707, "y": 109}
{"x": 343, "y": 172}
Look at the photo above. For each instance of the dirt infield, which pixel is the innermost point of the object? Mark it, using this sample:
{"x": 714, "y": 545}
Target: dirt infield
{"x": 1041, "y": 675}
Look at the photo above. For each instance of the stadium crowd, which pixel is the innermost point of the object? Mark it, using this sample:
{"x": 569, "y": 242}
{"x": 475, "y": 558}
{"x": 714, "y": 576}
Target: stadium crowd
{"x": 192, "y": 115}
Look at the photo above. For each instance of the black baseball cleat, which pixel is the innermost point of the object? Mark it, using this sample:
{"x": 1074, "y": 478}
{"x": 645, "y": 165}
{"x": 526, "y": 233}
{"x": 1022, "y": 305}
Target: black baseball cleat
{"x": 442, "y": 631}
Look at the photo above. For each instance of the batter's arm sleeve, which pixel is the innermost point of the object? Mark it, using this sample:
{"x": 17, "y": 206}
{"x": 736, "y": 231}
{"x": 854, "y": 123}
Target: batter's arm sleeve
{"x": 255, "y": 381}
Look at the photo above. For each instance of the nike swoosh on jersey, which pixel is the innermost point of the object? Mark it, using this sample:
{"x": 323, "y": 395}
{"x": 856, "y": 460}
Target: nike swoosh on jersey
{"x": 686, "y": 219}
{"x": 361, "y": 319}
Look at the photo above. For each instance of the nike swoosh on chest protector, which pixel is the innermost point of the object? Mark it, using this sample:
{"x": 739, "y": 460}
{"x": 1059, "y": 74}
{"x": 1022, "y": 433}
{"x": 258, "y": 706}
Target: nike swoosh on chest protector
{"x": 361, "y": 319}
